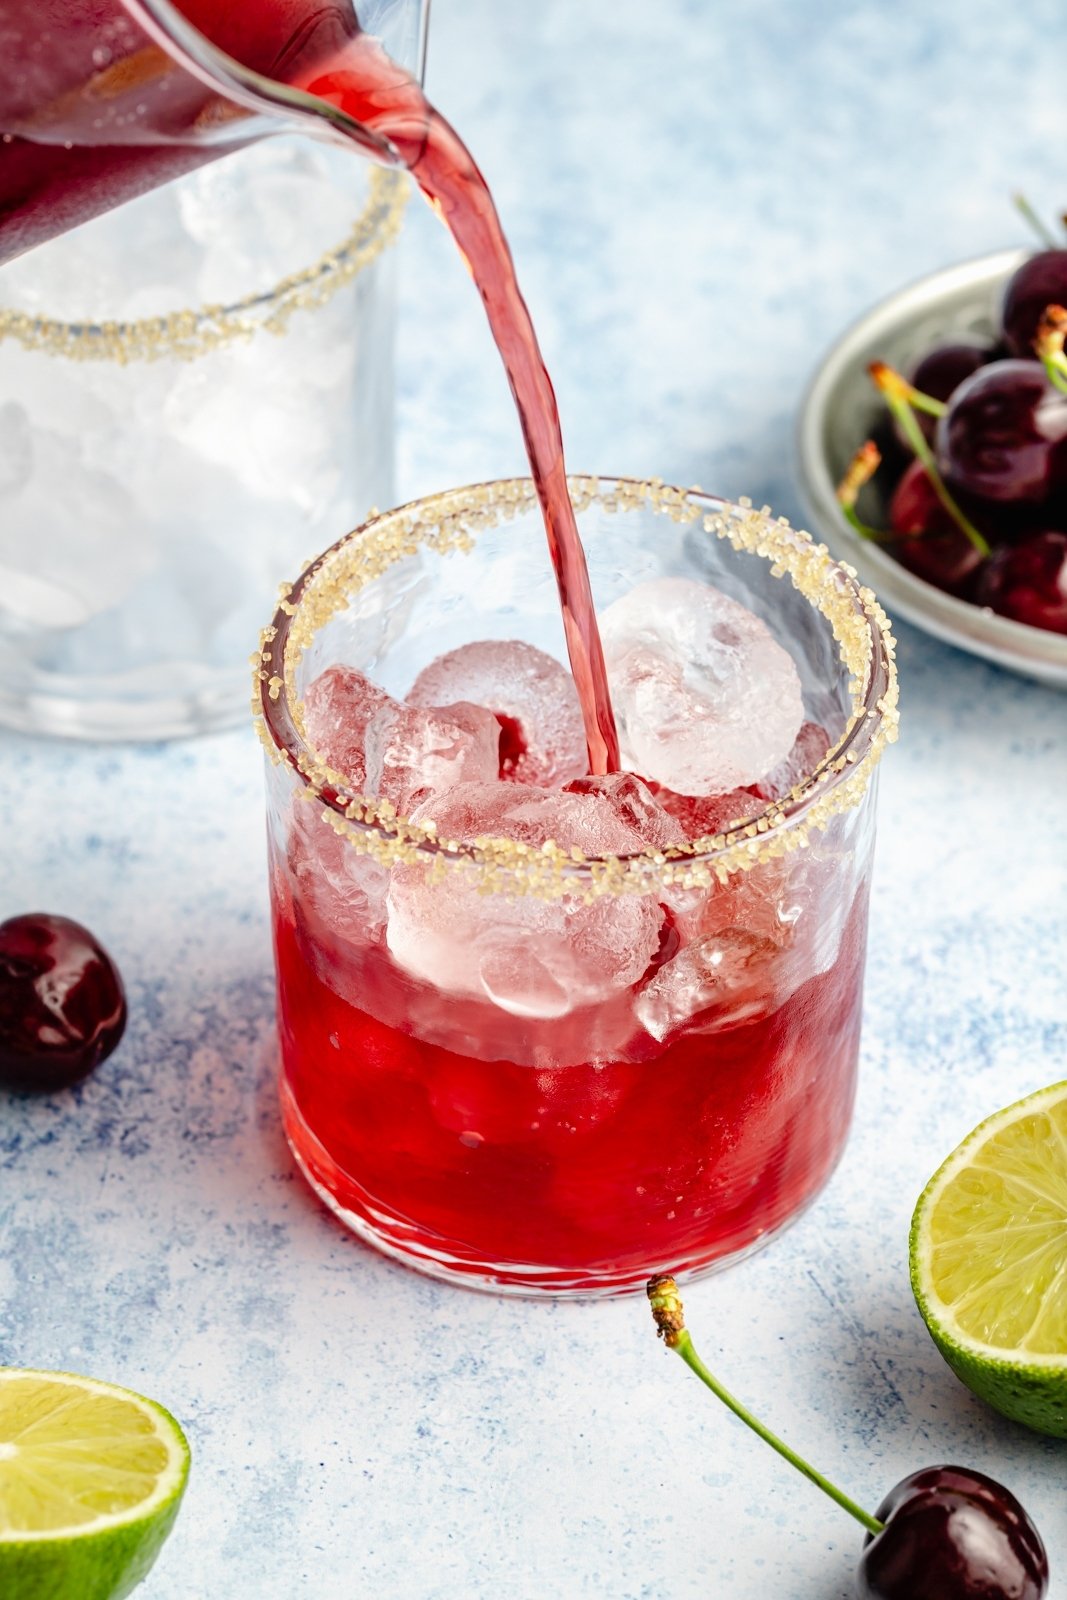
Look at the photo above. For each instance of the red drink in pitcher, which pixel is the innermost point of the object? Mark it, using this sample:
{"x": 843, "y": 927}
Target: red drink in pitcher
{"x": 93, "y": 111}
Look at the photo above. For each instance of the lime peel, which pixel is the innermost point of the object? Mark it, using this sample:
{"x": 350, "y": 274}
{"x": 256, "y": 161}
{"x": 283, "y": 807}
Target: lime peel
{"x": 78, "y": 1523}
{"x": 982, "y": 1289}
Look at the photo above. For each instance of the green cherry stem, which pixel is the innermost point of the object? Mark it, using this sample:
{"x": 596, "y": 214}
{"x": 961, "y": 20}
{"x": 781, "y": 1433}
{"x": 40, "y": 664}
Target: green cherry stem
{"x": 670, "y": 1325}
{"x": 1027, "y": 212}
{"x": 924, "y": 402}
{"x": 899, "y": 396}
{"x": 860, "y": 470}
{"x": 864, "y": 529}
{"x": 1051, "y": 331}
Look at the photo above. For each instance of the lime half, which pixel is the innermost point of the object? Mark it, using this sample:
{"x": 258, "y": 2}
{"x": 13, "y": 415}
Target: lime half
{"x": 989, "y": 1260}
{"x": 91, "y": 1477}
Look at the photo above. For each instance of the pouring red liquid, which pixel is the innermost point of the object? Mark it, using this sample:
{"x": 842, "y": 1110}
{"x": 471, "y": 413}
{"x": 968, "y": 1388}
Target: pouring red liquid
{"x": 93, "y": 112}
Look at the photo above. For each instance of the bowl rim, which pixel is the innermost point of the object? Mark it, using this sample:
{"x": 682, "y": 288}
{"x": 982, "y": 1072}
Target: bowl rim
{"x": 1016, "y": 645}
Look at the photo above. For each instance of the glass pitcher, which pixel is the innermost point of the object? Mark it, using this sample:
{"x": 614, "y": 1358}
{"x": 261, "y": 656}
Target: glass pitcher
{"x": 196, "y": 387}
{"x": 101, "y": 100}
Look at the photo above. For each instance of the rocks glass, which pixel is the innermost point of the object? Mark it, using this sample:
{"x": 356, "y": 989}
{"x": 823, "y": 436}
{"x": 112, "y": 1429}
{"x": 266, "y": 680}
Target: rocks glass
{"x": 519, "y": 1067}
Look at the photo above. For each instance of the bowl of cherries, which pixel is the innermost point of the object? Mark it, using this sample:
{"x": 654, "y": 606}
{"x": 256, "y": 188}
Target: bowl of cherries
{"x": 933, "y": 456}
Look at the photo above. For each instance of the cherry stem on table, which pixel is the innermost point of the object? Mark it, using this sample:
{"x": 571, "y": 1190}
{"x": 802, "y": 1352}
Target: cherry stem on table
{"x": 670, "y": 1323}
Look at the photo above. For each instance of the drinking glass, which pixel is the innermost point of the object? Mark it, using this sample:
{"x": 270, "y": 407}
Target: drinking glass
{"x": 519, "y": 1068}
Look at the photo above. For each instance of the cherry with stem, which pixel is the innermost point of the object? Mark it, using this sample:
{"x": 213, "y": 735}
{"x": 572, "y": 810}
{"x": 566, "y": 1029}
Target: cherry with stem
{"x": 944, "y": 1533}
{"x": 922, "y": 536}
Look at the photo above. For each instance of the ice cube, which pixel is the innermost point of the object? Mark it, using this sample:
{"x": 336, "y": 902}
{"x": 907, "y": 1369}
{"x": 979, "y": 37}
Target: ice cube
{"x": 338, "y": 706}
{"x": 591, "y": 819}
{"x": 635, "y": 805}
{"x": 16, "y": 447}
{"x": 531, "y": 957}
{"x": 344, "y": 889}
{"x": 812, "y": 743}
{"x": 73, "y": 540}
{"x": 700, "y": 816}
{"x": 705, "y": 698}
{"x": 796, "y": 904}
{"x": 531, "y": 691}
{"x": 413, "y": 752}
{"x": 724, "y": 979}
{"x": 394, "y": 751}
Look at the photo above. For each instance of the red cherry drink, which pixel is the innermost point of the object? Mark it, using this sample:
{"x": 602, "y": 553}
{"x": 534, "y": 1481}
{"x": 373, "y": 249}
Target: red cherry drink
{"x": 550, "y": 1029}
{"x": 575, "y": 1175}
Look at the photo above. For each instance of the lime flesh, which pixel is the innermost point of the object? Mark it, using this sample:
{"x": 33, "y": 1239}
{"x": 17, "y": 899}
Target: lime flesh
{"x": 91, "y": 1478}
{"x": 989, "y": 1260}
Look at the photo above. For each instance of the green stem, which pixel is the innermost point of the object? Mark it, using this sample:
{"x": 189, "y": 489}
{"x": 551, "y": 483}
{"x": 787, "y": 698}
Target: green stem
{"x": 926, "y": 402}
{"x": 1056, "y": 370}
{"x": 684, "y": 1346}
{"x": 905, "y": 416}
{"x": 1025, "y": 209}
{"x": 864, "y": 529}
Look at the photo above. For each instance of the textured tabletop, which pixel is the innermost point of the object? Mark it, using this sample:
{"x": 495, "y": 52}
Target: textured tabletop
{"x": 699, "y": 197}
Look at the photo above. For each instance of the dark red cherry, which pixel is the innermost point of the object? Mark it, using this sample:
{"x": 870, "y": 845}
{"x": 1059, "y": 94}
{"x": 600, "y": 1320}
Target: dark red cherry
{"x": 952, "y": 1534}
{"x": 1039, "y": 282}
{"x": 940, "y": 372}
{"x": 933, "y": 545}
{"x": 62, "y": 1005}
{"x": 1004, "y": 435}
{"x": 1029, "y": 582}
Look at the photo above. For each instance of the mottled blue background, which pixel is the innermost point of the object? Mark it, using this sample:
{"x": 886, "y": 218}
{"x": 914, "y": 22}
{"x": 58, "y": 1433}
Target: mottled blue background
{"x": 699, "y": 198}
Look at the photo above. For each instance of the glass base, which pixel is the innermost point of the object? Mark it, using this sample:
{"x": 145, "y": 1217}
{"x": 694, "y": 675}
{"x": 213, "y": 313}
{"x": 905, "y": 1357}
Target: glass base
{"x": 400, "y": 1240}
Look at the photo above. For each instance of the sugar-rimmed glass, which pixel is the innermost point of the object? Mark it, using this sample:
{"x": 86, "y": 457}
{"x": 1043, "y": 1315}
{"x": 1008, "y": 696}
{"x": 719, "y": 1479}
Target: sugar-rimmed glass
{"x": 686, "y": 1111}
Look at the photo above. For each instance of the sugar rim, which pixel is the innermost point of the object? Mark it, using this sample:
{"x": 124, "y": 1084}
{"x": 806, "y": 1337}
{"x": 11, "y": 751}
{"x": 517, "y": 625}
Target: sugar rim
{"x": 451, "y": 521}
{"x": 197, "y": 330}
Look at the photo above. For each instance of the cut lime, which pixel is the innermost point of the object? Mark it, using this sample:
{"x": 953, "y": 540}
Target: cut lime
{"x": 989, "y": 1260}
{"x": 91, "y": 1477}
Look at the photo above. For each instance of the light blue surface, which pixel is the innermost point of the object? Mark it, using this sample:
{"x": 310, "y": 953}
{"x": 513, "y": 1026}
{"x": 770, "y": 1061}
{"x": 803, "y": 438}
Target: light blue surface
{"x": 699, "y": 197}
